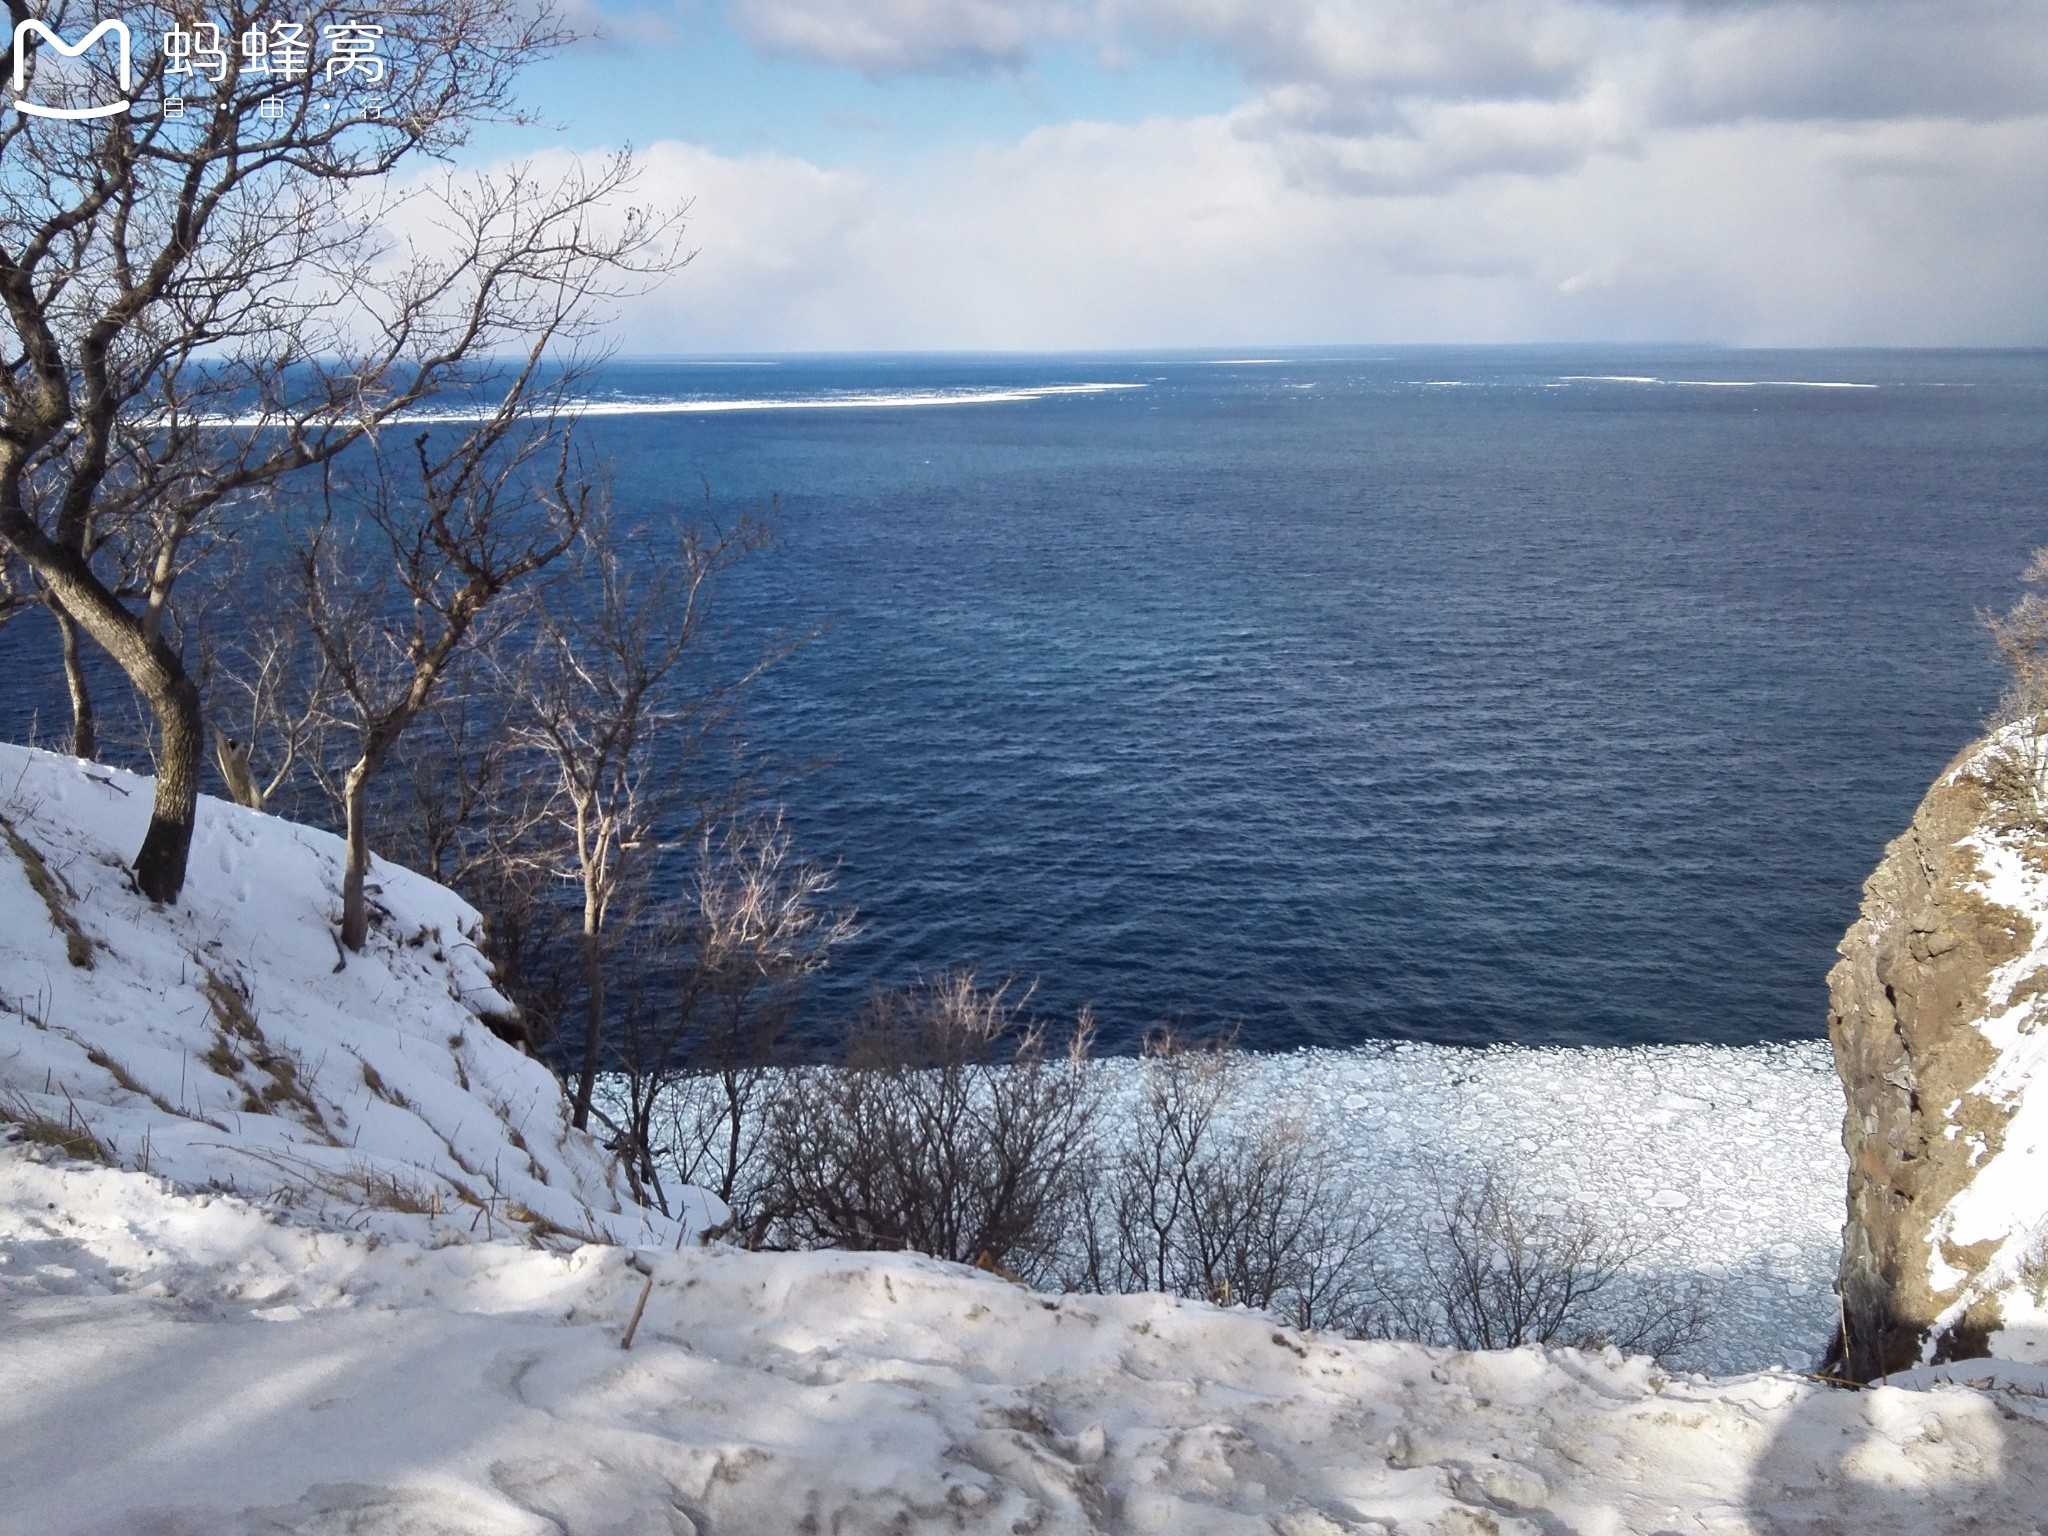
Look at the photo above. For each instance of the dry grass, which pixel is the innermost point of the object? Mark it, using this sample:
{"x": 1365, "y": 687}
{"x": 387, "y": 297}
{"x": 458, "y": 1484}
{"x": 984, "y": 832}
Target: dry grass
{"x": 70, "y": 1135}
{"x": 220, "y": 1057}
{"x": 119, "y": 1073}
{"x": 374, "y": 1081}
{"x": 230, "y": 1007}
{"x": 49, "y": 885}
{"x": 127, "y": 1080}
{"x": 241, "y": 1043}
{"x": 542, "y": 1229}
{"x": 385, "y": 1191}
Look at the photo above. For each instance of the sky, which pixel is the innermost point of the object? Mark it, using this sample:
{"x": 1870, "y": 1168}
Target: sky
{"x": 1113, "y": 174}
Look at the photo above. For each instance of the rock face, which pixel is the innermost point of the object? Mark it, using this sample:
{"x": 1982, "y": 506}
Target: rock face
{"x": 1933, "y": 1019}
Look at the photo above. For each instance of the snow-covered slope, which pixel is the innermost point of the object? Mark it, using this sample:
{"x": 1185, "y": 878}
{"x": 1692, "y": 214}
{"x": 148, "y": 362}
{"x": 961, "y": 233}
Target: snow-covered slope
{"x": 223, "y": 1044}
{"x": 322, "y": 1270}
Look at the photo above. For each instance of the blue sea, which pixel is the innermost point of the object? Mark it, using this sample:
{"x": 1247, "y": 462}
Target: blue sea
{"x": 1527, "y": 695}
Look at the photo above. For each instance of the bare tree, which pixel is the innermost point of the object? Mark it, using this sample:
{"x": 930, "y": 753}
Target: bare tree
{"x": 1196, "y": 1198}
{"x": 1492, "y": 1272}
{"x": 266, "y": 690}
{"x": 620, "y": 701}
{"x": 18, "y": 590}
{"x": 2021, "y": 637}
{"x": 17, "y": 587}
{"x": 957, "y": 1127}
{"x": 198, "y": 306}
{"x": 452, "y": 536}
{"x": 85, "y": 737}
{"x": 463, "y": 802}
{"x": 756, "y": 927}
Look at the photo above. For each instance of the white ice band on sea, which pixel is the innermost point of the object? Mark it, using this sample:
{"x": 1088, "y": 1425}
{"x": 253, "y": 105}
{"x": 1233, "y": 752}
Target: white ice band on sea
{"x": 1728, "y": 1158}
{"x": 1631, "y": 378}
{"x": 1725, "y": 1162}
{"x": 848, "y": 400}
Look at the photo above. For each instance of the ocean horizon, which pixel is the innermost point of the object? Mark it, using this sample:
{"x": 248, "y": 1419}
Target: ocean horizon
{"x": 1551, "y": 695}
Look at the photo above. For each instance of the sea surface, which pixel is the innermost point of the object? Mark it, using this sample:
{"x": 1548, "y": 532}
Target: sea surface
{"x": 1558, "y": 696}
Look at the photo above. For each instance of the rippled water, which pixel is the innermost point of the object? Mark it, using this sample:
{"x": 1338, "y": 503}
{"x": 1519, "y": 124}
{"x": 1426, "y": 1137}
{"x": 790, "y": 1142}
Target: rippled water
{"x": 1341, "y": 702}
{"x": 1456, "y": 695}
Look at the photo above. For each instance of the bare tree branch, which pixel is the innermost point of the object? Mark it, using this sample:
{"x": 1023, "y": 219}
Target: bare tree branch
{"x": 195, "y": 309}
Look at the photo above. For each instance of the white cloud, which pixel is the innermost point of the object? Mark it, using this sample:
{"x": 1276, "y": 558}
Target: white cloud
{"x": 1705, "y": 61}
{"x": 1979, "y": 60}
{"x": 1437, "y": 143}
{"x": 1763, "y": 171}
{"x": 1207, "y": 231}
{"x": 1439, "y": 48}
{"x": 885, "y": 37}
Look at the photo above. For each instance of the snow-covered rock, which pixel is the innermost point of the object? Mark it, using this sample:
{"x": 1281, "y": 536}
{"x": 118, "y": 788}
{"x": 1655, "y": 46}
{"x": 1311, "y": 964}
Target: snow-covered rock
{"x": 1938, "y": 1011}
{"x": 224, "y": 1044}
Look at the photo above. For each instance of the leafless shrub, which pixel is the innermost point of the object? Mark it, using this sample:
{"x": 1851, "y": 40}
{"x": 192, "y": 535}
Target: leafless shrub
{"x": 957, "y": 1127}
{"x": 2015, "y": 773}
{"x": 618, "y": 702}
{"x": 1198, "y": 1198}
{"x": 1493, "y": 1271}
{"x": 954, "y": 1128}
{"x": 696, "y": 1058}
{"x": 2021, "y": 637}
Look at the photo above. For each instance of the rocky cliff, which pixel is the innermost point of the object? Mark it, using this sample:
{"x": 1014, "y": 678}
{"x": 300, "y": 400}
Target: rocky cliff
{"x": 1936, "y": 1013}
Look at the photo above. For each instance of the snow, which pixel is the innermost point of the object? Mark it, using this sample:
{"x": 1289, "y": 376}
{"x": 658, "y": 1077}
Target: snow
{"x": 2002, "y": 1204}
{"x": 223, "y": 1043}
{"x": 334, "y": 1277}
{"x": 188, "y": 1364}
{"x": 1727, "y": 1161}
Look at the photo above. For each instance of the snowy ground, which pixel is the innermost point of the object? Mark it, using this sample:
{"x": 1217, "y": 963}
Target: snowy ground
{"x": 189, "y": 1367}
{"x": 352, "y": 1293}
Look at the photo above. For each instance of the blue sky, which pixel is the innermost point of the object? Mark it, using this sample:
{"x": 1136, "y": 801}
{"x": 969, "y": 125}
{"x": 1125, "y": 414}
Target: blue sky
{"x": 707, "y": 85}
{"x": 1119, "y": 173}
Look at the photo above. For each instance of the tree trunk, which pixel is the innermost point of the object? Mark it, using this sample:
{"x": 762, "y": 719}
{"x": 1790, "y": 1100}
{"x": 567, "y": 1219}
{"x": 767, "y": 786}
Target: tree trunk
{"x": 84, "y": 730}
{"x": 160, "y": 862}
{"x": 730, "y": 1180}
{"x": 158, "y": 673}
{"x": 355, "y": 905}
{"x": 593, "y": 1022}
